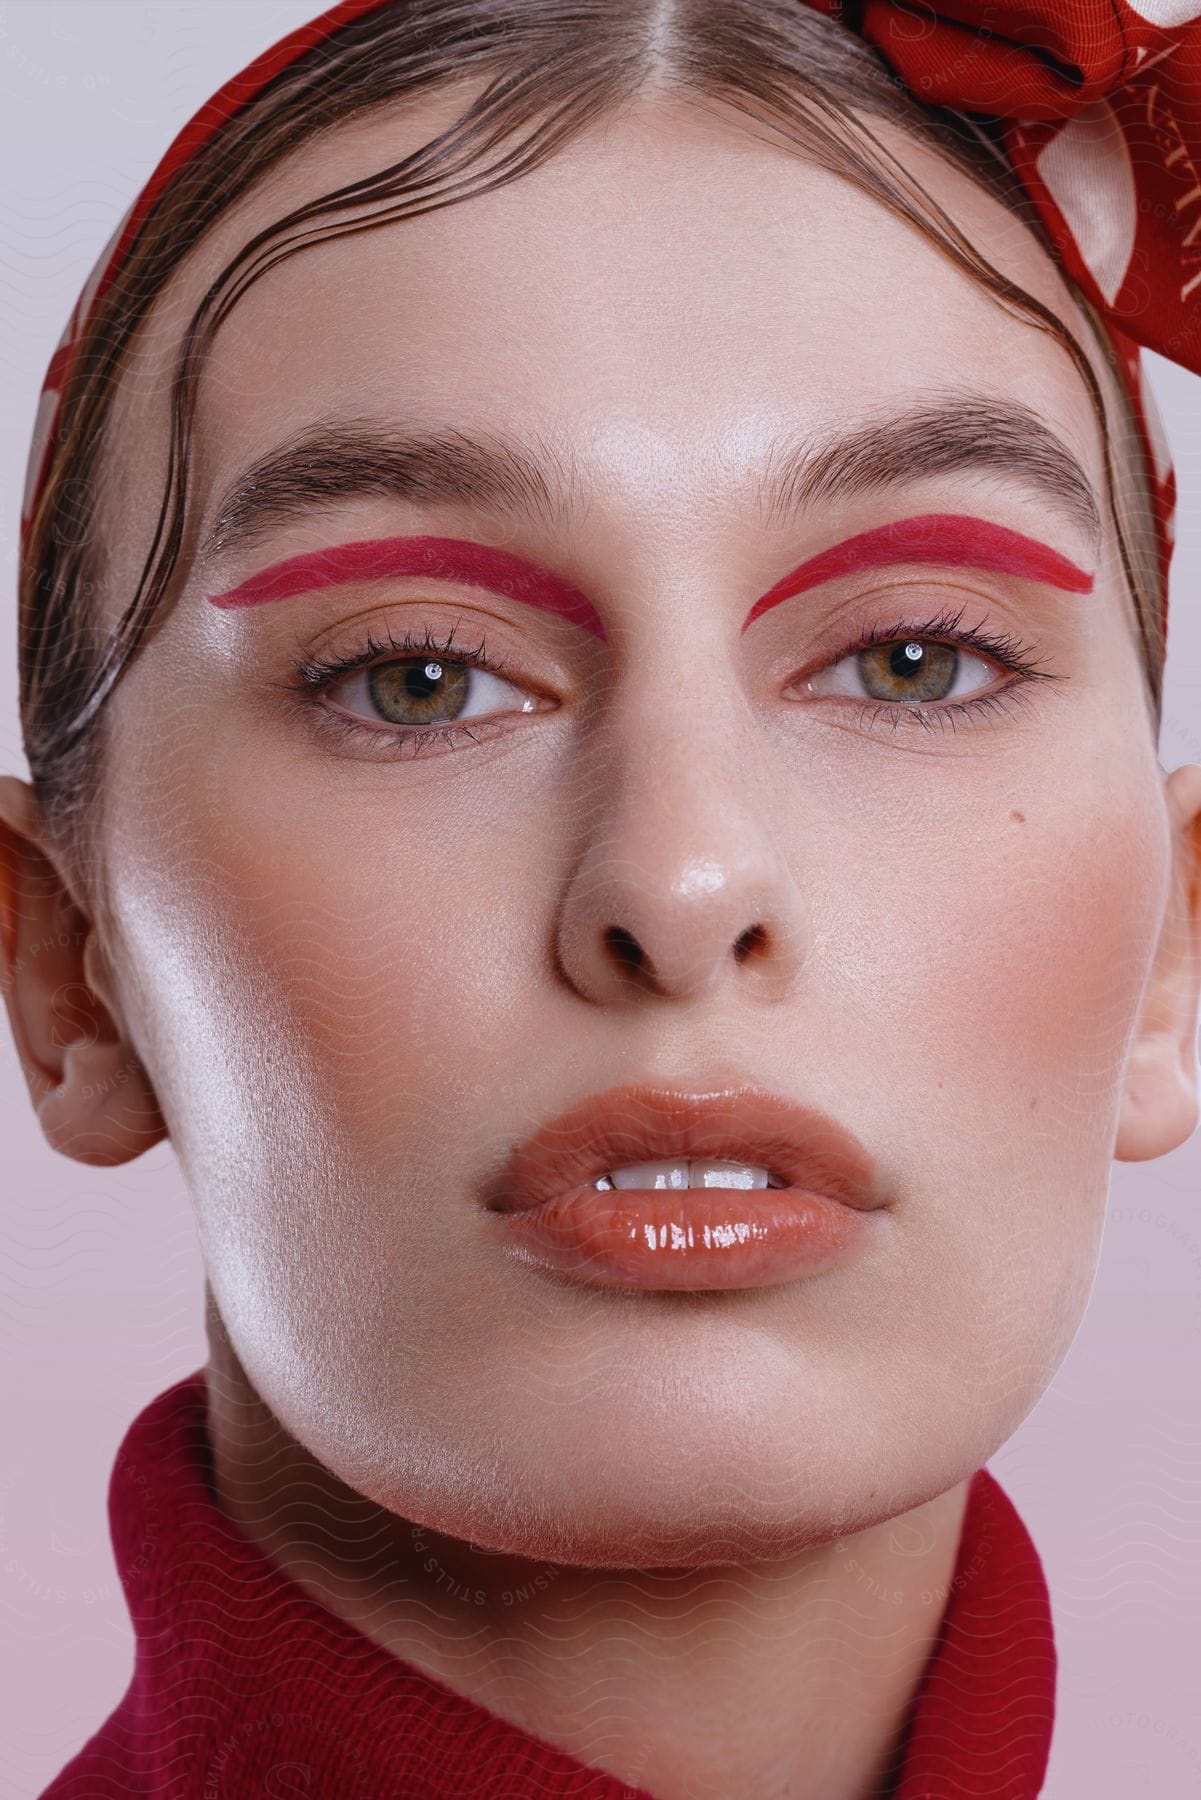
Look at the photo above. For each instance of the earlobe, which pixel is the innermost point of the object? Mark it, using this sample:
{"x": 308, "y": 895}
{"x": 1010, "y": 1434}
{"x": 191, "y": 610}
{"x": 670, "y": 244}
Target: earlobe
{"x": 1160, "y": 1106}
{"x": 92, "y": 1095}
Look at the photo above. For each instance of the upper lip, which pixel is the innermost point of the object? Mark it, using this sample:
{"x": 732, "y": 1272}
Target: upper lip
{"x": 742, "y": 1123}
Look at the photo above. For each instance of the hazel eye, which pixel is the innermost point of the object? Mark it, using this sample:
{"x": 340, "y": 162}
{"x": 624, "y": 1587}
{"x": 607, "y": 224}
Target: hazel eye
{"x": 425, "y": 690}
{"x": 909, "y": 668}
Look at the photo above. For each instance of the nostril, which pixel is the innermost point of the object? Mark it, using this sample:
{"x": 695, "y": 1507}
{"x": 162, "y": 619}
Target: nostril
{"x": 626, "y": 947}
{"x": 752, "y": 939}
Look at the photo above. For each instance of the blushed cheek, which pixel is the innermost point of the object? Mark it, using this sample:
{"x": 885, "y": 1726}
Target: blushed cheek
{"x": 1038, "y": 959}
{"x": 1066, "y": 916}
{"x": 1068, "y": 929}
{"x": 343, "y": 1024}
{"x": 1014, "y": 959}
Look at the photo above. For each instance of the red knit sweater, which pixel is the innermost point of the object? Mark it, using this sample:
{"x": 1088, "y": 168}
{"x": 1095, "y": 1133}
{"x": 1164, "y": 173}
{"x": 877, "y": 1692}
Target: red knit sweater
{"x": 243, "y": 1686}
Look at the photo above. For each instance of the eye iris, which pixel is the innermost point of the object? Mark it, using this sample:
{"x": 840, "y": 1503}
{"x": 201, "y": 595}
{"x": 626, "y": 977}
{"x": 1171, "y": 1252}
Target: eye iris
{"x": 414, "y": 690}
{"x": 908, "y": 669}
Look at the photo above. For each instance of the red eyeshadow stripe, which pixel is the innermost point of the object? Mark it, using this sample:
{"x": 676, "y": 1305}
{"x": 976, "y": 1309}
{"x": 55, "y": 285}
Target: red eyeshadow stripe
{"x": 948, "y": 540}
{"x": 439, "y": 558}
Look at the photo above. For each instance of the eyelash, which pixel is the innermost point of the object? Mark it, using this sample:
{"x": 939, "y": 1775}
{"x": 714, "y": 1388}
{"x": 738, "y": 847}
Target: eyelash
{"x": 944, "y": 627}
{"x": 312, "y": 676}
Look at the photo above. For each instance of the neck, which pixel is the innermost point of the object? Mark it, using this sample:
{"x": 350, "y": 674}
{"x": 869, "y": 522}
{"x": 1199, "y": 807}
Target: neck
{"x": 783, "y": 1678}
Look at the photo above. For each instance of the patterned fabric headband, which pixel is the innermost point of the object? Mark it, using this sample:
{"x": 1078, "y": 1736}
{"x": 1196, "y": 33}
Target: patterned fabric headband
{"x": 1099, "y": 108}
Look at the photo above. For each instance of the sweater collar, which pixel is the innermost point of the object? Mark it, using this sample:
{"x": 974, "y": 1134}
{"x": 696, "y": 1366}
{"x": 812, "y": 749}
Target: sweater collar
{"x": 239, "y": 1674}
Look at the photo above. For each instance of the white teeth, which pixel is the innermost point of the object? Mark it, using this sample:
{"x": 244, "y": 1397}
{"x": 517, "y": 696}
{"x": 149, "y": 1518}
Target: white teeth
{"x": 727, "y": 1175}
{"x": 651, "y": 1175}
{"x": 694, "y": 1171}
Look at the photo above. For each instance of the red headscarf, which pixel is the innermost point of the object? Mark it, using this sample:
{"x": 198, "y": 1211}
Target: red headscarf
{"x": 1101, "y": 110}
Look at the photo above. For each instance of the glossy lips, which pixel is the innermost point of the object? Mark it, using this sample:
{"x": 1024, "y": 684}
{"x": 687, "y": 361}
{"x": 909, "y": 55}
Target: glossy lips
{"x": 552, "y": 1215}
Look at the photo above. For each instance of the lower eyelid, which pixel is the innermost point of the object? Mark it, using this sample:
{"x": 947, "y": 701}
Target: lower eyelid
{"x": 392, "y": 742}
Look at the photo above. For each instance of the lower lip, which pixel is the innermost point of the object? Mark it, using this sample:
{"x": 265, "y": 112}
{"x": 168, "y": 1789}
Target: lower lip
{"x": 687, "y": 1238}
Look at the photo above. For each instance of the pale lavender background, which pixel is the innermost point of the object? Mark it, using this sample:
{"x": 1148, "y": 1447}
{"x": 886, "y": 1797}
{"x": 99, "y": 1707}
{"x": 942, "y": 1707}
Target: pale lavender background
{"x": 100, "y": 1273}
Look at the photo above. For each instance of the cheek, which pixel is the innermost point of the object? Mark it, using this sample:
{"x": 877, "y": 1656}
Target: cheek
{"x": 1004, "y": 929}
{"x": 1022, "y": 949}
{"x": 400, "y": 966}
{"x": 311, "y": 963}
{"x": 1063, "y": 911}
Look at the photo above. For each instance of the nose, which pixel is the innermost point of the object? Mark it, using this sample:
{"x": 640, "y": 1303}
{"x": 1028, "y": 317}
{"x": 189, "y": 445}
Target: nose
{"x": 681, "y": 889}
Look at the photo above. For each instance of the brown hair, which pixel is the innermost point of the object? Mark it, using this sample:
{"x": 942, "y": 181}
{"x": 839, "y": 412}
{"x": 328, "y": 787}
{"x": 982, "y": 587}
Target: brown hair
{"x": 554, "y": 66}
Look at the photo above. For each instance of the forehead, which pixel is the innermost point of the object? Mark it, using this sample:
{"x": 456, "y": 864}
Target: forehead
{"x": 669, "y": 292}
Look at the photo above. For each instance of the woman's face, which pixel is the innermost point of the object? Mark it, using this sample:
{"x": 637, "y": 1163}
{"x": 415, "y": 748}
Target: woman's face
{"x": 359, "y": 976}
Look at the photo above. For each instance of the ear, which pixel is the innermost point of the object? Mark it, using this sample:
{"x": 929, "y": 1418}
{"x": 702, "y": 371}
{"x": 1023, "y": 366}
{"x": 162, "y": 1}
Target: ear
{"x": 1160, "y": 1106}
{"x": 93, "y": 1097}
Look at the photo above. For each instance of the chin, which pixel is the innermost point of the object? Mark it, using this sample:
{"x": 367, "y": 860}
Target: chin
{"x": 598, "y": 1487}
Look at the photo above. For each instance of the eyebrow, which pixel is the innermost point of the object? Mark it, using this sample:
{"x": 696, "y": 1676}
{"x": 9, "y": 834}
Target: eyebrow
{"x": 342, "y": 459}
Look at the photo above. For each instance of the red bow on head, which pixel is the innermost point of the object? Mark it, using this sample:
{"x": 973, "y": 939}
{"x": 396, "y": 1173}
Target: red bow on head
{"x": 1104, "y": 104}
